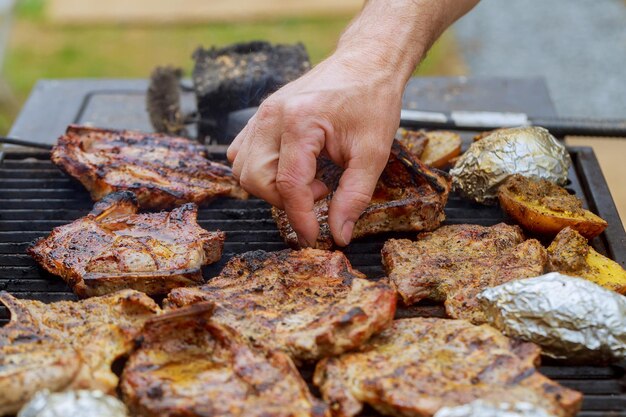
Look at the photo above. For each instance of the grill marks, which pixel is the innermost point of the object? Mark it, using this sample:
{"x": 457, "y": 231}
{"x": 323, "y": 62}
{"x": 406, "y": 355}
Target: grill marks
{"x": 66, "y": 345}
{"x": 250, "y": 227}
{"x": 454, "y": 263}
{"x": 408, "y": 197}
{"x": 162, "y": 171}
{"x": 419, "y": 365}
{"x": 189, "y": 365}
{"x": 307, "y": 303}
{"x": 113, "y": 248}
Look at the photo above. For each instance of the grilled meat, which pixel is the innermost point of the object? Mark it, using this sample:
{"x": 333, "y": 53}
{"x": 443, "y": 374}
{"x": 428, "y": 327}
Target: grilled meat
{"x": 162, "y": 171}
{"x": 66, "y": 345}
{"x": 420, "y": 365}
{"x": 188, "y": 365}
{"x": 113, "y": 248}
{"x": 409, "y": 196}
{"x": 454, "y": 263}
{"x": 307, "y": 303}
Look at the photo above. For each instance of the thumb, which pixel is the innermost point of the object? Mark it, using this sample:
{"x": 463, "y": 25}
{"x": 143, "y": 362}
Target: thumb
{"x": 352, "y": 196}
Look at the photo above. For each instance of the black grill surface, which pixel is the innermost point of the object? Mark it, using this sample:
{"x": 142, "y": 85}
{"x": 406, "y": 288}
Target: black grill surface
{"x": 36, "y": 197}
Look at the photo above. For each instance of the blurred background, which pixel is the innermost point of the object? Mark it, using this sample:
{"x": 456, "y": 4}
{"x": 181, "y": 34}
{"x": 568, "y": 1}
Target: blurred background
{"x": 578, "y": 46}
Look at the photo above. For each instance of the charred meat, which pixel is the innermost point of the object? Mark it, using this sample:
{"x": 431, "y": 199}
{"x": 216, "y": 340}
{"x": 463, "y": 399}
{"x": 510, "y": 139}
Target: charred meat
{"x": 308, "y": 303}
{"x": 409, "y": 196}
{"x": 66, "y": 345}
{"x": 162, "y": 171}
{"x": 455, "y": 263}
{"x": 417, "y": 366}
{"x": 114, "y": 247}
{"x": 188, "y": 365}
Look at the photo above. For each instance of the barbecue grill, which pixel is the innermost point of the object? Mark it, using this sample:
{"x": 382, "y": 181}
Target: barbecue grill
{"x": 36, "y": 197}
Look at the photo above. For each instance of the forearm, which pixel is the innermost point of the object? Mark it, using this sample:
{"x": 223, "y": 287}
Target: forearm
{"x": 390, "y": 37}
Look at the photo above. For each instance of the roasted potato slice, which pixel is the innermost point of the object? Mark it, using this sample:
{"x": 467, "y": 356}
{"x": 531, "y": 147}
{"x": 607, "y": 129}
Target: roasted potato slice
{"x": 442, "y": 146}
{"x": 414, "y": 140}
{"x": 543, "y": 207}
{"x": 571, "y": 254}
{"x": 435, "y": 148}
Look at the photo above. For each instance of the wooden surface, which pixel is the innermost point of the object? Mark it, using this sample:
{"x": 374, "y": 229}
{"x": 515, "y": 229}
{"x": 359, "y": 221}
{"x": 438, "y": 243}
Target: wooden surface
{"x": 84, "y": 11}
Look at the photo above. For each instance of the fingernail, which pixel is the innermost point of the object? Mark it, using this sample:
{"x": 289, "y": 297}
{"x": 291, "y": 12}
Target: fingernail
{"x": 346, "y": 232}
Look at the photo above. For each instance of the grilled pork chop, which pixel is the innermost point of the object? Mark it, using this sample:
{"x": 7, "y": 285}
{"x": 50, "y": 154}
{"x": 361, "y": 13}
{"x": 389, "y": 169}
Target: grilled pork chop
{"x": 409, "y": 196}
{"x": 188, "y": 365}
{"x": 113, "y": 248}
{"x": 454, "y": 263}
{"x": 67, "y": 344}
{"x": 420, "y": 365}
{"x": 308, "y": 303}
{"x": 162, "y": 171}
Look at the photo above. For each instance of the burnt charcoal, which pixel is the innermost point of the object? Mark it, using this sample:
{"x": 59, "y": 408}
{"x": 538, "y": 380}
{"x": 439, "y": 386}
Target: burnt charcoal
{"x": 163, "y": 101}
{"x": 240, "y": 76}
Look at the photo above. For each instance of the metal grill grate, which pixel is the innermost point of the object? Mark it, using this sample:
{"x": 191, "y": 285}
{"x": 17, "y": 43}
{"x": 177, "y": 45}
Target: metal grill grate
{"x": 36, "y": 197}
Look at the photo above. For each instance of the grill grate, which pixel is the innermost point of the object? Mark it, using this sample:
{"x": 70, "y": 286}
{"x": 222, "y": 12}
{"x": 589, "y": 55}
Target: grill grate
{"x": 36, "y": 197}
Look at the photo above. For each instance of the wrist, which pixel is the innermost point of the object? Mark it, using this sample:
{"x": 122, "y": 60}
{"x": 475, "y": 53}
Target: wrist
{"x": 390, "y": 37}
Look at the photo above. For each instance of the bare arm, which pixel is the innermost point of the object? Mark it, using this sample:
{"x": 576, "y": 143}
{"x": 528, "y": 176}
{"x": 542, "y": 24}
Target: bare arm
{"x": 347, "y": 106}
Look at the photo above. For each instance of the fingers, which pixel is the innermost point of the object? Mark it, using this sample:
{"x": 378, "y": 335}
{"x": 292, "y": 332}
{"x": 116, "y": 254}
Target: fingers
{"x": 233, "y": 149}
{"x": 352, "y": 196}
{"x": 256, "y": 161}
{"x": 275, "y": 158}
{"x": 296, "y": 183}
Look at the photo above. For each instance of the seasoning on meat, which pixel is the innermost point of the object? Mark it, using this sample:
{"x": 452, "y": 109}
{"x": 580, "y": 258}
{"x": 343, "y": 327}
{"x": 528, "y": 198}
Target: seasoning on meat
{"x": 163, "y": 171}
{"x": 308, "y": 303}
{"x": 66, "y": 345}
{"x": 455, "y": 263}
{"x": 188, "y": 365}
{"x": 113, "y": 248}
{"x": 418, "y": 366}
{"x": 409, "y": 196}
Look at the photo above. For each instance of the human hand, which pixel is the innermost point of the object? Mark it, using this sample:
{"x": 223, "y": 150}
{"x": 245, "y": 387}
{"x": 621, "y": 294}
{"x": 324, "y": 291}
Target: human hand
{"x": 348, "y": 107}
{"x": 345, "y": 107}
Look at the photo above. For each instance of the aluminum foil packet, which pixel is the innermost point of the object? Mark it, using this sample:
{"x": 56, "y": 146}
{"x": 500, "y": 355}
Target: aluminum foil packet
{"x": 481, "y": 408}
{"x": 530, "y": 151}
{"x": 81, "y": 403}
{"x": 570, "y": 318}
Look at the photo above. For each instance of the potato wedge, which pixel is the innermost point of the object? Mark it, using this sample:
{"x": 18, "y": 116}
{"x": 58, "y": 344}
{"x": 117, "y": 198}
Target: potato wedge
{"x": 442, "y": 146}
{"x": 545, "y": 208}
{"x": 414, "y": 140}
{"x": 570, "y": 253}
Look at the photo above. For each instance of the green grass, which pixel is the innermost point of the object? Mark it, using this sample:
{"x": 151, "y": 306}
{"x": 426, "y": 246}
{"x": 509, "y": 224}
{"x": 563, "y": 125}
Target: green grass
{"x": 40, "y": 49}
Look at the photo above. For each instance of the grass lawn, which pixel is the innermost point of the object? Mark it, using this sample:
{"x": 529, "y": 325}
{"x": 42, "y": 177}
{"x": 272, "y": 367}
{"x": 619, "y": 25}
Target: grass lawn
{"x": 40, "y": 49}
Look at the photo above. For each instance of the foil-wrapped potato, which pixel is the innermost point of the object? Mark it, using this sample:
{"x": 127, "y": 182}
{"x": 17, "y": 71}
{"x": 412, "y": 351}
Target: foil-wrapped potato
{"x": 543, "y": 207}
{"x": 481, "y": 408}
{"x": 81, "y": 403}
{"x": 530, "y": 151}
{"x": 570, "y": 318}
